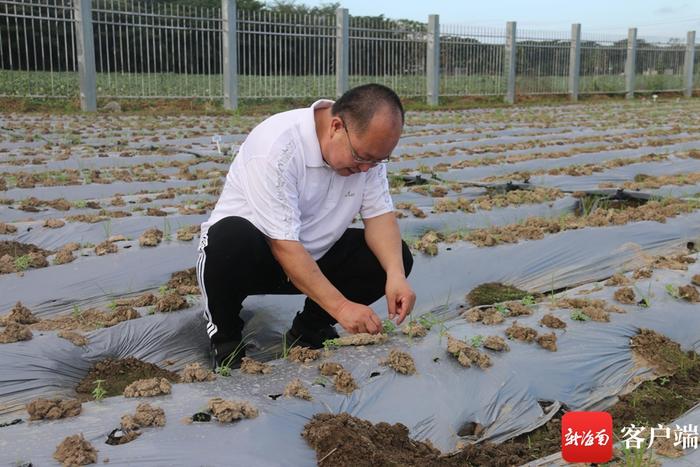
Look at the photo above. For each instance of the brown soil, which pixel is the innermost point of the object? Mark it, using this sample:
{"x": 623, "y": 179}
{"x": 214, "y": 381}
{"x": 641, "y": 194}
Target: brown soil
{"x": 695, "y": 280}
{"x": 548, "y": 341}
{"x": 467, "y": 355}
{"x": 45, "y": 409}
{"x": 184, "y": 282}
{"x": 171, "y": 301}
{"x": 54, "y": 223}
{"x": 303, "y": 355}
{"x": 146, "y": 415}
{"x": 677, "y": 262}
{"x": 618, "y": 280}
{"x": 361, "y": 338}
{"x": 596, "y": 314}
{"x": 75, "y": 450}
{"x": 552, "y": 321}
{"x": 19, "y": 314}
{"x": 625, "y": 295}
{"x": 689, "y": 293}
{"x": 148, "y": 388}
{"x": 496, "y": 343}
{"x": 428, "y": 243}
{"x": 156, "y": 212}
{"x": 7, "y": 228}
{"x": 657, "y": 351}
{"x": 297, "y": 389}
{"x": 14, "y": 332}
{"x": 185, "y": 234}
{"x": 10, "y": 251}
{"x": 516, "y": 308}
{"x": 521, "y": 333}
{"x": 151, "y": 237}
{"x": 344, "y": 382}
{"x": 491, "y": 316}
{"x": 118, "y": 374}
{"x": 642, "y": 273}
{"x": 494, "y": 292}
{"x": 401, "y": 362}
{"x": 74, "y": 337}
{"x": 227, "y": 411}
{"x": 254, "y": 367}
{"x": 194, "y": 373}
{"x": 87, "y": 320}
{"x": 106, "y": 248}
{"x": 414, "y": 329}
{"x": 596, "y": 309}
{"x": 63, "y": 257}
{"x": 146, "y": 299}
{"x": 330, "y": 368}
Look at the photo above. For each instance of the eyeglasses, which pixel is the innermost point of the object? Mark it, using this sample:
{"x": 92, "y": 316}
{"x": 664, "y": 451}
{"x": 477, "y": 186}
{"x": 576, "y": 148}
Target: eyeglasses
{"x": 355, "y": 156}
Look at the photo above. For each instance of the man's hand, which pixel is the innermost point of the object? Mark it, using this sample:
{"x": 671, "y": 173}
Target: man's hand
{"x": 355, "y": 317}
{"x": 400, "y": 297}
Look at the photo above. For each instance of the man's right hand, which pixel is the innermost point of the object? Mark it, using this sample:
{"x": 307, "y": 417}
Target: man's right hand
{"x": 355, "y": 318}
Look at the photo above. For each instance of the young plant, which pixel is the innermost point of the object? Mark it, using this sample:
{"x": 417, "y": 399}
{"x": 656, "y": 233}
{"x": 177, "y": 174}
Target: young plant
{"x": 167, "y": 230}
{"x": 330, "y": 344}
{"x": 107, "y": 227}
{"x": 22, "y": 262}
{"x": 477, "y": 340}
{"x": 287, "y": 347}
{"x": 99, "y": 393}
{"x": 528, "y": 300}
{"x": 501, "y": 308}
{"x": 226, "y": 365}
{"x": 672, "y": 290}
{"x": 579, "y": 315}
{"x": 388, "y": 326}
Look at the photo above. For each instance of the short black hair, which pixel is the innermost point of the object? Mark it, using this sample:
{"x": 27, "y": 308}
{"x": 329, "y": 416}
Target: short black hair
{"x": 358, "y": 105}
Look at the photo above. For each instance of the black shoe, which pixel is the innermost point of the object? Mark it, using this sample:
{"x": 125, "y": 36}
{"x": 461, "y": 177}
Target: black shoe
{"x": 303, "y": 334}
{"x": 228, "y": 353}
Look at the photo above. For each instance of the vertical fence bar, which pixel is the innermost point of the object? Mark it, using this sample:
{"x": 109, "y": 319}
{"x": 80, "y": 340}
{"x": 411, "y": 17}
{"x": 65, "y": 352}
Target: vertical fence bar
{"x": 575, "y": 61}
{"x": 230, "y": 53}
{"x": 433, "y": 59}
{"x": 688, "y": 65}
{"x": 342, "y": 50}
{"x": 510, "y": 61}
{"x": 86, "y": 54}
{"x": 631, "y": 63}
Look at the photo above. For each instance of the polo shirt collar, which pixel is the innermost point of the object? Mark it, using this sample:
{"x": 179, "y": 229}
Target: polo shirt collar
{"x": 312, "y": 156}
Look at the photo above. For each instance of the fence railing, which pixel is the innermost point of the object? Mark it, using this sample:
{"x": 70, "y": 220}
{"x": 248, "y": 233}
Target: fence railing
{"x": 133, "y": 49}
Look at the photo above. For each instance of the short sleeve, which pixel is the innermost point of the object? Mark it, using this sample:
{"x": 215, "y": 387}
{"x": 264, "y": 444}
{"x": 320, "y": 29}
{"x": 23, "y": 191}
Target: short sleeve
{"x": 376, "y": 199}
{"x": 271, "y": 189}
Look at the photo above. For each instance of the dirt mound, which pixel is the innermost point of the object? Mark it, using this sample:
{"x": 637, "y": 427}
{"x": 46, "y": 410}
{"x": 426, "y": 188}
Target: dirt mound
{"x": 171, "y": 301}
{"x": 194, "y": 373}
{"x": 642, "y": 273}
{"x": 146, "y": 415}
{"x": 303, "y": 355}
{"x": 496, "y": 343}
{"x": 7, "y": 228}
{"x": 414, "y": 329}
{"x": 254, "y": 367}
{"x": 548, "y": 341}
{"x": 677, "y": 262}
{"x": 595, "y": 309}
{"x": 344, "y": 440}
{"x": 54, "y": 223}
{"x": 187, "y": 233}
{"x": 625, "y": 295}
{"x": 75, "y": 450}
{"x": 689, "y": 293}
{"x": 228, "y": 411}
{"x": 492, "y": 316}
{"x": 106, "y": 248}
{"x": 151, "y": 237}
{"x": 401, "y": 362}
{"x": 552, "y": 321}
{"x": 517, "y": 309}
{"x": 361, "y": 338}
{"x": 148, "y": 388}
{"x": 53, "y": 409}
{"x": 19, "y": 314}
{"x": 330, "y": 368}
{"x": 87, "y": 320}
{"x": 617, "y": 280}
{"x": 184, "y": 281}
{"x": 695, "y": 280}
{"x": 344, "y": 382}
{"x": 63, "y": 257}
{"x": 14, "y": 332}
{"x": 657, "y": 351}
{"x": 467, "y": 355}
{"x": 297, "y": 389}
{"x": 18, "y": 257}
{"x": 17, "y": 249}
{"x": 118, "y": 374}
{"x": 521, "y": 333}
{"x": 74, "y": 337}
{"x": 494, "y": 292}
{"x": 146, "y": 299}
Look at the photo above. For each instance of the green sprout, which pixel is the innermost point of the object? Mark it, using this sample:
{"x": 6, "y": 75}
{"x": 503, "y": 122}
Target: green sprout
{"x": 388, "y": 326}
{"x": 226, "y": 365}
{"x": 22, "y": 262}
{"x": 99, "y": 392}
{"x": 330, "y": 344}
{"x": 477, "y": 340}
{"x": 502, "y": 309}
{"x": 287, "y": 347}
{"x": 528, "y": 300}
{"x": 579, "y": 315}
{"x": 672, "y": 290}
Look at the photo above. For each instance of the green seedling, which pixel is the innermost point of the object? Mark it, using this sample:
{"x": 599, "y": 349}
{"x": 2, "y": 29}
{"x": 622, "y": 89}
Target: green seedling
{"x": 167, "y": 230}
{"x": 107, "y": 227}
{"x": 22, "y": 262}
{"x": 77, "y": 312}
{"x": 501, "y": 308}
{"x": 330, "y": 344}
{"x": 98, "y": 393}
{"x": 528, "y": 300}
{"x": 477, "y": 340}
{"x": 113, "y": 304}
{"x": 80, "y": 204}
{"x": 287, "y": 347}
{"x": 225, "y": 368}
{"x": 163, "y": 289}
{"x": 672, "y": 290}
{"x": 428, "y": 320}
{"x": 388, "y": 326}
{"x": 579, "y": 315}
{"x": 320, "y": 381}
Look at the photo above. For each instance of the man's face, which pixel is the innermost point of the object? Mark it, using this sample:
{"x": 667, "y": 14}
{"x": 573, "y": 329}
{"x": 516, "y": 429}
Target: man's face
{"x": 353, "y": 152}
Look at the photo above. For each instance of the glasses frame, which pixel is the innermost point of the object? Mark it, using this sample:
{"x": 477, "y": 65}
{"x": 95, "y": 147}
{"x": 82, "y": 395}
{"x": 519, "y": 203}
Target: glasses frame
{"x": 353, "y": 152}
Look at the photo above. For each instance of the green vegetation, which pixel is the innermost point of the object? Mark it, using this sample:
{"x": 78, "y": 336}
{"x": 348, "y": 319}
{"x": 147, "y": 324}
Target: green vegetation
{"x": 99, "y": 393}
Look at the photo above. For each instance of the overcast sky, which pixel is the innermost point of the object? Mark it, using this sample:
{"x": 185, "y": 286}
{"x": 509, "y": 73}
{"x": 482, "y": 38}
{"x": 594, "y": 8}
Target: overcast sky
{"x": 653, "y": 18}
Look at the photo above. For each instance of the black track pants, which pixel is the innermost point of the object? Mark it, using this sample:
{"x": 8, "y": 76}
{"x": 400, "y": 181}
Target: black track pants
{"x": 235, "y": 261}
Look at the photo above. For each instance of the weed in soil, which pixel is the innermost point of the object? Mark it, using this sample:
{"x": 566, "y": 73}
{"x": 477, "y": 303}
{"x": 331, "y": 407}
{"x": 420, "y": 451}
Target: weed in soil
{"x": 227, "y": 411}
{"x": 118, "y": 374}
{"x": 296, "y": 388}
{"x": 53, "y": 409}
{"x": 401, "y": 362}
{"x": 75, "y": 450}
{"x": 494, "y": 292}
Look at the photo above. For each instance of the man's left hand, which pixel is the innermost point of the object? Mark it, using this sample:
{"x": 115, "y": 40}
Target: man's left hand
{"x": 400, "y": 298}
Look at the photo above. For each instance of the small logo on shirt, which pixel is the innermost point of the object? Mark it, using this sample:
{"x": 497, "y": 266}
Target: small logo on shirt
{"x": 349, "y": 194}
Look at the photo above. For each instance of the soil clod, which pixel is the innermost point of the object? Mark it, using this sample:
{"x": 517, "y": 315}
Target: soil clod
{"x": 521, "y": 333}
{"x": 171, "y": 301}
{"x": 297, "y": 389}
{"x": 74, "y": 337}
{"x": 227, "y": 411}
{"x": 689, "y": 293}
{"x": 194, "y": 373}
{"x": 303, "y": 355}
{"x": 552, "y": 321}
{"x": 344, "y": 382}
{"x": 151, "y": 237}
{"x": 148, "y": 388}
{"x": 414, "y": 329}
{"x": 657, "y": 351}
{"x": 467, "y": 355}
{"x": 496, "y": 343}
{"x": 19, "y": 314}
{"x": 254, "y": 367}
{"x": 548, "y": 341}
{"x": 14, "y": 332}
{"x": 618, "y": 280}
{"x": 330, "y": 368}
{"x": 75, "y": 450}
{"x": 146, "y": 415}
{"x": 53, "y": 409}
{"x": 401, "y": 362}
{"x": 625, "y": 295}
{"x": 117, "y": 374}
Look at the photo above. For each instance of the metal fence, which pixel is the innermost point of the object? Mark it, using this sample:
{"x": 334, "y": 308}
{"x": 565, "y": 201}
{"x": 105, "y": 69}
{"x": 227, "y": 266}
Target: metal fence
{"x": 48, "y": 48}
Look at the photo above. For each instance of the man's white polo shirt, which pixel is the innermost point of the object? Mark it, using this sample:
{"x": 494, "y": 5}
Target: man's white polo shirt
{"x": 281, "y": 184}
